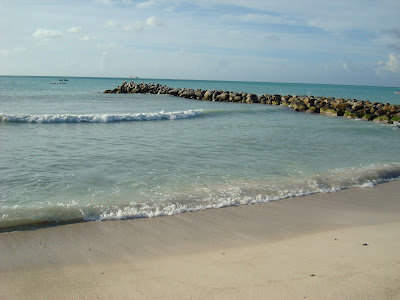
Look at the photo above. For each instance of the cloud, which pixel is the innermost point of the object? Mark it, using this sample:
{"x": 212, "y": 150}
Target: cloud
{"x": 105, "y": 59}
{"x": 338, "y": 65}
{"x": 112, "y": 2}
{"x": 153, "y": 21}
{"x": 111, "y": 23}
{"x": 105, "y": 2}
{"x": 267, "y": 19}
{"x": 148, "y": 4}
{"x": 87, "y": 38}
{"x": 74, "y": 29}
{"x": 392, "y": 65}
{"x": 138, "y": 26}
{"x": 390, "y": 38}
{"x": 42, "y": 33}
{"x": 19, "y": 49}
{"x": 105, "y": 47}
{"x": 6, "y": 52}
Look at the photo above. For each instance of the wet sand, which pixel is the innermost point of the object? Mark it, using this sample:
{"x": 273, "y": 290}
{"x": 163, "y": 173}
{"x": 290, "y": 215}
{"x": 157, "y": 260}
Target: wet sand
{"x": 342, "y": 245}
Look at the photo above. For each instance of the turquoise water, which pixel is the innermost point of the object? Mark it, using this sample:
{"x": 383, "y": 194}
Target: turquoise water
{"x": 71, "y": 153}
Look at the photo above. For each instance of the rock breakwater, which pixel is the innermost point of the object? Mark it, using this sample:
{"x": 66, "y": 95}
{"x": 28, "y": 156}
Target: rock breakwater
{"x": 349, "y": 108}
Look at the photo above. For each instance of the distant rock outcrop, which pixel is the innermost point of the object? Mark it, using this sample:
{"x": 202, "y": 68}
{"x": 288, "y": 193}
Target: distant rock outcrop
{"x": 349, "y": 108}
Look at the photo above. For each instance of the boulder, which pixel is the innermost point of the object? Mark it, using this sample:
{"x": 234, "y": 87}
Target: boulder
{"x": 369, "y": 117}
{"x": 252, "y": 98}
{"x": 379, "y": 112}
{"x": 299, "y": 105}
{"x": 238, "y": 98}
{"x": 308, "y": 101}
{"x": 382, "y": 119}
{"x": 353, "y": 114}
{"x": 329, "y": 112}
{"x": 395, "y": 119}
{"x": 313, "y": 110}
{"x": 199, "y": 93}
{"x": 187, "y": 93}
{"x": 222, "y": 97}
{"x": 174, "y": 92}
{"x": 208, "y": 95}
{"x": 215, "y": 95}
{"x": 342, "y": 106}
{"x": 285, "y": 100}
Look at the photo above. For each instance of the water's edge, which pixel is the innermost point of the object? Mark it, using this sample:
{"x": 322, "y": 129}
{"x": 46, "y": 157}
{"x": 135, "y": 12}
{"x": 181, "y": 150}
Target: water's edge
{"x": 47, "y": 224}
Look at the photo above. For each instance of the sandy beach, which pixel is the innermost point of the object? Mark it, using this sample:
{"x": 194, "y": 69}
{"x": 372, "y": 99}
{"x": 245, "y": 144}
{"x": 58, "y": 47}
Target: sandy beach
{"x": 342, "y": 245}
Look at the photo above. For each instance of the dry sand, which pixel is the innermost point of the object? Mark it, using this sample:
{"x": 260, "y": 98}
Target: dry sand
{"x": 299, "y": 248}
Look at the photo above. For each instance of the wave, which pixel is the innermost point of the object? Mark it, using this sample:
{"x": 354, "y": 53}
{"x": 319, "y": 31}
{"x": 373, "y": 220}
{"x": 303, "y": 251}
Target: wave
{"x": 98, "y": 118}
{"x": 195, "y": 198}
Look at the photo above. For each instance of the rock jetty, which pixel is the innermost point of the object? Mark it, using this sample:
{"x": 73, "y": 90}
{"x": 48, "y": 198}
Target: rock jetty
{"x": 349, "y": 108}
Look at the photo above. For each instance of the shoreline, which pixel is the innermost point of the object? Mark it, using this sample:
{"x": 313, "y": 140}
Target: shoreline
{"x": 248, "y": 251}
{"x": 48, "y": 224}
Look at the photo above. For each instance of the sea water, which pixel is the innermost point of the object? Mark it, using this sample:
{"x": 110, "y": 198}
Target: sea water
{"x": 71, "y": 153}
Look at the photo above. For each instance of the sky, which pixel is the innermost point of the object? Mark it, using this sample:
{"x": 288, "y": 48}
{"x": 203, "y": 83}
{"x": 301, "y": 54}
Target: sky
{"x": 355, "y": 42}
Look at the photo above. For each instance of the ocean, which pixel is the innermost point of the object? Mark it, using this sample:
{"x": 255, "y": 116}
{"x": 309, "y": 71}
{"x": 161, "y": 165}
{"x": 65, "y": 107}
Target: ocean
{"x": 70, "y": 153}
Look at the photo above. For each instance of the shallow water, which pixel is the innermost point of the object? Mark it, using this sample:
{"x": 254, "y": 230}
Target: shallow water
{"x": 71, "y": 153}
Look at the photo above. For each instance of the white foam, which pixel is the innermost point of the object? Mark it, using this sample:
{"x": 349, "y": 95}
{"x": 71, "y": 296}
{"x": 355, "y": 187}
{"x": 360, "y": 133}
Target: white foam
{"x": 216, "y": 195}
{"x": 99, "y": 118}
{"x": 245, "y": 195}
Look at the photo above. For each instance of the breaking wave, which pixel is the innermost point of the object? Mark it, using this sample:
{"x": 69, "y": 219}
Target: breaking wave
{"x": 195, "y": 198}
{"x": 99, "y": 118}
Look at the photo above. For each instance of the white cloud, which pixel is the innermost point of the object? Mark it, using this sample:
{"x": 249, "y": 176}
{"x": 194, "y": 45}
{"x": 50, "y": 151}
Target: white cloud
{"x": 105, "y": 47}
{"x": 392, "y": 65}
{"x": 148, "y": 4}
{"x": 105, "y": 2}
{"x": 6, "y": 52}
{"x": 19, "y": 49}
{"x": 42, "y": 33}
{"x": 138, "y": 25}
{"x": 267, "y": 19}
{"x": 153, "y": 21}
{"x": 134, "y": 27}
{"x": 111, "y": 23}
{"x": 112, "y": 2}
{"x": 104, "y": 61}
{"x": 75, "y": 29}
{"x": 337, "y": 66}
{"x": 390, "y": 39}
{"x": 87, "y": 38}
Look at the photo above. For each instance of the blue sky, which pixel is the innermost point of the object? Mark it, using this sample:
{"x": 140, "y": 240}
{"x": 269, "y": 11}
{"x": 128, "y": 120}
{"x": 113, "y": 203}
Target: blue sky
{"x": 310, "y": 41}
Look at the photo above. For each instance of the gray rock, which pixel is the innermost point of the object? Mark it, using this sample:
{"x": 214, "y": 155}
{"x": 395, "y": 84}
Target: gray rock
{"x": 174, "y": 92}
{"x": 208, "y": 95}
